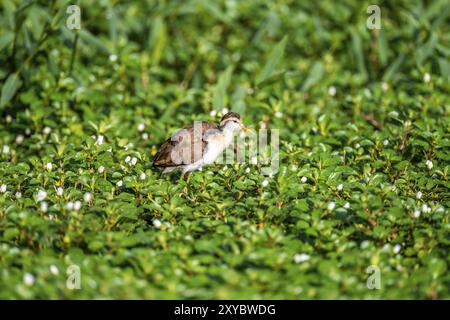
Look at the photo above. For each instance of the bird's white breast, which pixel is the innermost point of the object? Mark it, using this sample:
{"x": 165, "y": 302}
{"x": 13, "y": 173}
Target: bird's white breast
{"x": 216, "y": 145}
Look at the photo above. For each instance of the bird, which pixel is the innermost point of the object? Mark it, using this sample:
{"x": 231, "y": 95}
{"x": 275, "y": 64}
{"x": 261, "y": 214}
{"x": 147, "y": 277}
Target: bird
{"x": 197, "y": 145}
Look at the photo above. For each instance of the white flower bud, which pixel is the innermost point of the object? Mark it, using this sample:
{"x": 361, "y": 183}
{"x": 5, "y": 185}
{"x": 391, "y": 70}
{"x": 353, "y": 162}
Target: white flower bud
{"x": 28, "y": 279}
{"x": 157, "y": 223}
{"x": 87, "y": 197}
{"x": 301, "y": 257}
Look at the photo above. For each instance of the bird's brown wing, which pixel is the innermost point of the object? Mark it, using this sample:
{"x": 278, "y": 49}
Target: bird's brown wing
{"x": 180, "y": 148}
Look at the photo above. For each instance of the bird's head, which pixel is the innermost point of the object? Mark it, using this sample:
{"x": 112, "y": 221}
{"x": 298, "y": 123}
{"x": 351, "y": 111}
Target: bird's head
{"x": 231, "y": 121}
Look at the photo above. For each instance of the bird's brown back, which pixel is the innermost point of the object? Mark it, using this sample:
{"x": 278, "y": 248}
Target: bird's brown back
{"x": 178, "y": 144}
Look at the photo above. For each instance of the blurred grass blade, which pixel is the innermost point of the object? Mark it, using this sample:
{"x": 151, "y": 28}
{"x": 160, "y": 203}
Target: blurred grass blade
{"x": 272, "y": 62}
{"x": 220, "y": 91}
{"x": 393, "y": 68}
{"x": 5, "y": 40}
{"x": 426, "y": 49}
{"x": 93, "y": 41}
{"x": 444, "y": 65}
{"x": 358, "y": 53}
{"x": 382, "y": 47}
{"x": 314, "y": 76}
{"x": 158, "y": 39}
{"x": 9, "y": 89}
{"x": 214, "y": 9}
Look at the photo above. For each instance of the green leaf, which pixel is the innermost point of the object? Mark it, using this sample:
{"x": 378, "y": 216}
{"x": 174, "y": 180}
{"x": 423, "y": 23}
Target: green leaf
{"x": 5, "y": 40}
{"x": 158, "y": 39}
{"x": 358, "y": 52}
{"x": 93, "y": 41}
{"x": 220, "y": 91}
{"x": 314, "y": 76}
{"x": 444, "y": 65}
{"x": 9, "y": 89}
{"x": 382, "y": 47}
{"x": 427, "y": 49}
{"x": 272, "y": 62}
{"x": 393, "y": 68}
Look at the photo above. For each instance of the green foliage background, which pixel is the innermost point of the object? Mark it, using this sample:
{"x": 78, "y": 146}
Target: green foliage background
{"x": 167, "y": 63}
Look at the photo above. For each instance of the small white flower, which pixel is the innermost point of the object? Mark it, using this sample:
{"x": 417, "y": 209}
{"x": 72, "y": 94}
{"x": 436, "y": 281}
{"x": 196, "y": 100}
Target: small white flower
{"x": 142, "y": 176}
{"x": 254, "y": 160}
{"x": 347, "y": 205}
{"x": 416, "y": 213}
{"x": 332, "y": 91}
{"x": 385, "y": 86}
{"x": 331, "y": 205}
{"x": 141, "y": 127}
{"x": 119, "y": 183}
{"x": 87, "y": 197}
{"x": 426, "y": 208}
{"x": 59, "y": 191}
{"x": 340, "y": 187}
{"x": 8, "y": 119}
{"x": 101, "y": 169}
{"x": 113, "y": 58}
{"x": 301, "y": 257}
{"x": 5, "y": 149}
{"x": 213, "y": 113}
{"x": 99, "y": 140}
{"x": 386, "y": 142}
{"x": 54, "y": 270}
{"x": 397, "y": 248}
{"x": 357, "y": 146}
{"x": 304, "y": 179}
{"x": 265, "y": 183}
{"x": 419, "y": 195}
{"x": 41, "y": 195}
{"x": 145, "y": 136}
{"x": 48, "y": 166}
{"x": 3, "y": 188}
{"x": 393, "y": 114}
{"x": 44, "y": 206}
{"x": 77, "y": 205}
{"x": 250, "y": 91}
{"x": 127, "y": 159}
{"x": 247, "y": 170}
{"x": 47, "y": 130}
{"x": 134, "y": 160}
{"x": 18, "y": 195}
{"x": 157, "y": 223}
{"x": 69, "y": 205}
{"x": 365, "y": 244}
{"x": 28, "y": 279}
{"x": 426, "y": 77}
{"x": 278, "y": 114}
{"x": 27, "y": 131}
{"x": 429, "y": 164}
{"x": 19, "y": 139}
